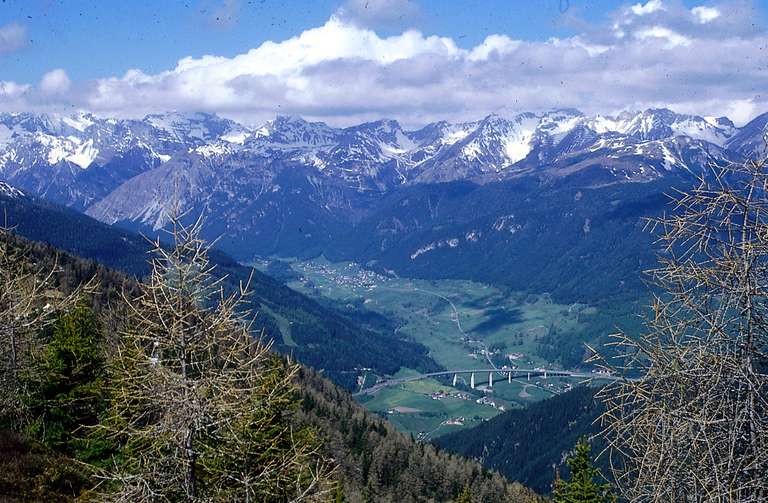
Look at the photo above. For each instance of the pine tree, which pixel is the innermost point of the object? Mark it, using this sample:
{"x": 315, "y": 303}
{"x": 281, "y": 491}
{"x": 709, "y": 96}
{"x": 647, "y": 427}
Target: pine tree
{"x": 198, "y": 405}
{"x": 65, "y": 382}
{"x": 338, "y": 496}
{"x": 584, "y": 485}
{"x": 465, "y": 496}
{"x": 28, "y": 304}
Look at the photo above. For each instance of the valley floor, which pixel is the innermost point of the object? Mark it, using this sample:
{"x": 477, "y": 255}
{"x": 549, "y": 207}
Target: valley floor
{"x": 464, "y": 324}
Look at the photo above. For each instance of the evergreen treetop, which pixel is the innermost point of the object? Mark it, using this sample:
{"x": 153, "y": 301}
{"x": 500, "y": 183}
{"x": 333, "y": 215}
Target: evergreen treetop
{"x": 584, "y": 485}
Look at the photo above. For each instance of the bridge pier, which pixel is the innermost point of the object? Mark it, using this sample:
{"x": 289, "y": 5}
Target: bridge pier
{"x": 529, "y": 376}
{"x": 455, "y": 379}
{"x": 490, "y": 379}
{"x": 509, "y": 377}
{"x": 545, "y": 374}
{"x": 472, "y": 381}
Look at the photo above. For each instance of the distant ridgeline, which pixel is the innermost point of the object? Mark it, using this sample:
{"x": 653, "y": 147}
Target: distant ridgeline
{"x": 556, "y": 185}
{"x": 320, "y": 336}
{"x": 598, "y": 261}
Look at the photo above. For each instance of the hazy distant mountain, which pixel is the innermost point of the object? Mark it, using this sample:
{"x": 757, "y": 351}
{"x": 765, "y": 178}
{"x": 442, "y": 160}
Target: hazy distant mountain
{"x": 77, "y": 160}
{"x": 751, "y": 138}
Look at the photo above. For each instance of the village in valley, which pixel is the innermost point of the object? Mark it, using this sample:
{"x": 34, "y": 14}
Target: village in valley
{"x": 464, "y": 328}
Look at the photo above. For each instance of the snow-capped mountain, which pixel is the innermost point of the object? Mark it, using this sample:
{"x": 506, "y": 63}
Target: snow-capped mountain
{"x": 658, "y": 124}
{"x": 195, "y": 128}
{"x": 752, "y": 138}
{"x": 255, "y": 178}
{"x": 76, "y": 160}
{"x": 475, "y": 149}
{"x": 37, "y": 151}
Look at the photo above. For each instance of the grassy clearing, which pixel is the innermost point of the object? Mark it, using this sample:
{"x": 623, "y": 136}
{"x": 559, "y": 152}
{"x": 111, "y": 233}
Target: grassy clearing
{"x": 284, "y": 325}
{"x": 412, "y": 409}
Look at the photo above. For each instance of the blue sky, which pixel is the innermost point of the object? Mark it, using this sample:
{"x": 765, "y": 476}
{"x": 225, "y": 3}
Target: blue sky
{"x": 92, "y": 39}
{"x": 465, "y": 58}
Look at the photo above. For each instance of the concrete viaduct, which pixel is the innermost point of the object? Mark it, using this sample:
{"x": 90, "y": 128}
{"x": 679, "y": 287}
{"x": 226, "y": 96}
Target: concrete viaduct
{"x": 509, "y": 374}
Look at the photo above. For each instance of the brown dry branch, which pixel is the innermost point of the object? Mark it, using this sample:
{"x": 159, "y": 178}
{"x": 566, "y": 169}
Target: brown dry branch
{"x": 694, "y": 426}
{"x": 198, "y": 405}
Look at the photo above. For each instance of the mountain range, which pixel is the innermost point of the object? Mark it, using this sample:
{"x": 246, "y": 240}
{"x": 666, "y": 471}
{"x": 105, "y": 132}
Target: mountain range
{"x": 551, "y": 202}
{"x": 548, "y": 202}
{"x": 96, "y": 164}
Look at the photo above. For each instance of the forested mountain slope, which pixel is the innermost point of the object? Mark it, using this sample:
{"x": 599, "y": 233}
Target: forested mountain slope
{"x": 546, "y": 202}
{"x": 315, "y": 334}
{"x": 527, "y": 444}
{"x": 384, "y": 465}
{"x": 574, "y": 238}
{"x": 375, "y": 462}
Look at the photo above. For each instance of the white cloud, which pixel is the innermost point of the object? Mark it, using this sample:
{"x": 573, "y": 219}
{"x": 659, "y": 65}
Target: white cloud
{"x": 705, "y": 14}
{"x": 13, "y": 95}
{"x": 271, "y": 75}
{"x": 344, "y": 73}
{"x": 13, "y": 37}
{"x": 334, "y": 40}
{"x": 673, "y": 39}
{"x": 55, "y": 82}
{"x": 12, "y": 89}
{"x": 499, "y": 44}
{"x": 648, "y": 8}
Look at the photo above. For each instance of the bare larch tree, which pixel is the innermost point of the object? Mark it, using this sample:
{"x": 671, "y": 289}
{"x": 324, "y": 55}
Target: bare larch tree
{"x": 198, "y": 405}
{"x": 693, "y": 427}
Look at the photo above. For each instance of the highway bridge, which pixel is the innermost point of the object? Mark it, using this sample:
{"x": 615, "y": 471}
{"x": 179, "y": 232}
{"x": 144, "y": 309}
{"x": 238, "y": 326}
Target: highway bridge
{"x": 508, "y": 374}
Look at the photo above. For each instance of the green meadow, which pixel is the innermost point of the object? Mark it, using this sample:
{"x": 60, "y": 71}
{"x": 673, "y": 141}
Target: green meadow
{"x": 457, "y": 320}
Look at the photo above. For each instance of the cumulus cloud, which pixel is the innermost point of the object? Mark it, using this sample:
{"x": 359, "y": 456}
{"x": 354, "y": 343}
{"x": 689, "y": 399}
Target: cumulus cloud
{"x": 55, "y": 82}
{"x": 13, "y": 95}
{"x": 657, "y": 53}
{"x": 13, "y": 37}
{"x": 289, "y": 75}
{"x": 705, "y": 14}
{"x": 648, "y": 8}
{"x": 671, "y": 37}
{"x": 12, "y": 90}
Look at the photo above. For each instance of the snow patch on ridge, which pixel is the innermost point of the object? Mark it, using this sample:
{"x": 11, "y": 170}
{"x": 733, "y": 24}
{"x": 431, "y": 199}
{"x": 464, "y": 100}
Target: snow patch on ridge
{"x": 235, "y": 137}
{"x": 454, "y": 133}
{"x": 211, "y": 150}
{"x": 84, "y": 155}
{"x": 518, "y": 144}
{"x": 81, "y": 122}
{"x": 5, "y": 133}
{"x": 10, "y": 191}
